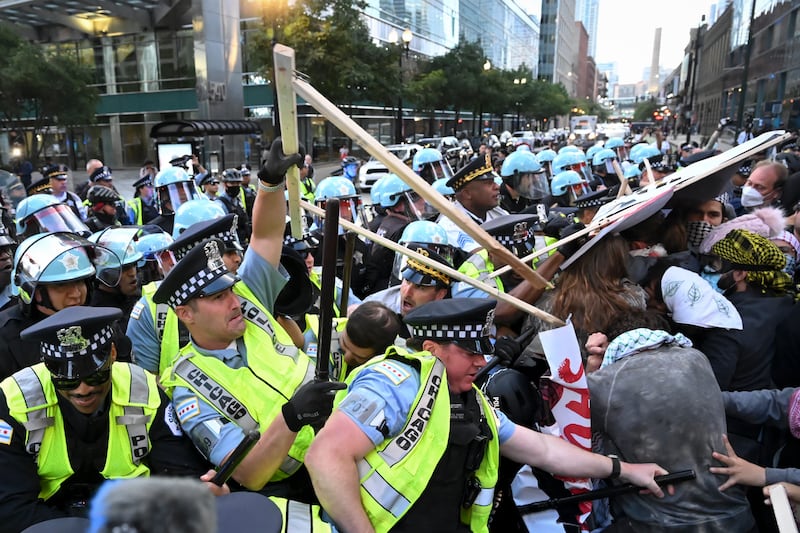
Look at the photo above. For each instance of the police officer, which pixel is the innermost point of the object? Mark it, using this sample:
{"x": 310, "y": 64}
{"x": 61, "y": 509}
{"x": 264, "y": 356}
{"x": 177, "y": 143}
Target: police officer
{"x": 414, "y": 446}
{"x": 142, "y": 207}
{"x": 234, "y": 202}
{"x": 51, "y": 272}
{"x": 477, "y": 196}
{"x": 78, "y": 418}
{"x": 174, "y": 187}
{"x": 153, "y": 328}
{"x": 237, "y": 344}
{"x": 58, "y": 176}
{"x": 42, "y": 213}
{"x": 126, "y": 291}
{"x": 103, "y": 208}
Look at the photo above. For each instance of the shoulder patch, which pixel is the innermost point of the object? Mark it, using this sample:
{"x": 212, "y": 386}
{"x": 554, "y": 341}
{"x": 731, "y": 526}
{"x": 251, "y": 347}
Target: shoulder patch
{"x": 6, "y": 432}
{"x": 136, "y": 312}
{"x": 171, "y": 419}
{"x": 394, "y": 372}
{"x": 188, "y": 409}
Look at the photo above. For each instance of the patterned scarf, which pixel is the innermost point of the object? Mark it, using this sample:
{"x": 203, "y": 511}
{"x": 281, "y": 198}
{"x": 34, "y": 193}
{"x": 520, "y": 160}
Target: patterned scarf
{"x": 639, "y": 340}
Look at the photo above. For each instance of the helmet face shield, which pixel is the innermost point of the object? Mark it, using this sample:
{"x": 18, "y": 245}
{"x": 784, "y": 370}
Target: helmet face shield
{"x": 56, "y": 218}
{"x": 436, "y": 170}
{"x": 533, "y": 186}
{"x": 171, "y": 197}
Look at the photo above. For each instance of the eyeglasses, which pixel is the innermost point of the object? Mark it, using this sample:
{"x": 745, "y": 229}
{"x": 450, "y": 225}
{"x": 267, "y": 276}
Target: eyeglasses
{"x": 98, "y": 378}
{"x": 213, "y": 183}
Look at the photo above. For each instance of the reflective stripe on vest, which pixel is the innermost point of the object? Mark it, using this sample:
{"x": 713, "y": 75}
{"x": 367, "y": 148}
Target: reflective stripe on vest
{"x": 33, "y": 392}
{"x": 395, "y": 474}
{"x": 131, "y": 387}
{"x": 300, "y": 517}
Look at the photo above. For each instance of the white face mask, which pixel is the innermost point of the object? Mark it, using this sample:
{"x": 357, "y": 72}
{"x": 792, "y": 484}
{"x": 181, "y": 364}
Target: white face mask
{"x": 751, "y": 197}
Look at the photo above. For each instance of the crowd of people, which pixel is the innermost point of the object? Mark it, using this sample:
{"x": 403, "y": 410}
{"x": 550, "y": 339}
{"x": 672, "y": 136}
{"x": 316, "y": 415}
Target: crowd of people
{"x": 151, "y": 337}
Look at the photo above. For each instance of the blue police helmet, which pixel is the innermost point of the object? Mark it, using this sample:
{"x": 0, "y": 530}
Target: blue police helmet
{"x": 563, "y": 180}
{"x": 43, "y": 213}
{"x": 376, "y": 192}
{"x": 591, "y": 151}
{"x": 392, "y": 190}
{"x": 520, "y": 162}
{"x": 545, "y": 155}
{"x": 424, "y": 231}
{"x": 425, "y": 156}
{"x": 646, "y": 152}
{"x": 614, "y": 142}
{"x": 564, "y": 160}
{"x": 152, "y": 244}
{"x": 632, "y": 171}
{"x": 49, "y": 258}
{"x": 603, "y": 155}
{"x": 441, "y": 186}
{"x": 171, "y": 175}
{"x": 634, "y": 152}
{"x": 195, "y": 211}
{"x": 334, "y": 187}
{"x": 569, "y": 148}
{"x": 173, "y": 187}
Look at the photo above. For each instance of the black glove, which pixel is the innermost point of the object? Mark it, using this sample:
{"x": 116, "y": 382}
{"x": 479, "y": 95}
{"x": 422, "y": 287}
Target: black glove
{"x": 274, "y": 172}
{"x": 568, "y": 249}
{"x": 555, "y": 223}
{"x": 310, "y": 404}
{"x": 507, "y": 350}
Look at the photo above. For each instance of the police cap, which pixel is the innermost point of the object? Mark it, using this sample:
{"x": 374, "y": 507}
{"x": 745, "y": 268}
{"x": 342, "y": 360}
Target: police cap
{"x": 592, "y": 199}
{"x": 75, "y": 342}
{"x": 101, "y": 174}
{"x": 466, "y": 322}
{"x": 144, "y": 181}
{"x": 512, "y": 231}
{"x": 200, "y": 273}
{"x": 480, "y": 168}
{"x": 223, "y": 228}
{"x": 419, "y": 273}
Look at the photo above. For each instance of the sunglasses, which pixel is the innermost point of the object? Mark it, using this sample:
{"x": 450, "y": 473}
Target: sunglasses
{"x": 213, "y": 183}
{"x": 98, "y": 378}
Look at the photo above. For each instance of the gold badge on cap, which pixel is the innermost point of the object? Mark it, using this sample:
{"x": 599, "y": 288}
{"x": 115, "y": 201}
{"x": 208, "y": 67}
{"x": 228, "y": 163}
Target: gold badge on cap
{"x": 487, "y": 327}
{"x": 213, "y": 256}
{"x": 72, "y": 338}
{"x": 520, "y": 231}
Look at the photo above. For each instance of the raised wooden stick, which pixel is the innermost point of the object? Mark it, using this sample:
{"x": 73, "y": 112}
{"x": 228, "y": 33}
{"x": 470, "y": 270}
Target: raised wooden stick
{"x": 422, "y": 187}
{"x": 283, "y": 57}
{"x": 455, "y": 274}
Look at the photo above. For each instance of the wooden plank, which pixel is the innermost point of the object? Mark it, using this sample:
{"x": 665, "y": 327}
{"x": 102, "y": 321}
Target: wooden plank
{"x": 287, "y": 104}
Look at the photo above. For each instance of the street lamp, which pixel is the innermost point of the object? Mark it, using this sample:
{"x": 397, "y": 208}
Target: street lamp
{"x": 402, "y": 41}
{"x": 518, "y": 81}
{"x": 486, "y": 68}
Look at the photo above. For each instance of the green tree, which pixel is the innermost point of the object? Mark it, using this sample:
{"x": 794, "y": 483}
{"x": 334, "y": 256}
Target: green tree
{"x": 39, "y": 91}
{"x": 333, "y": 47}
{"x": 428, "y": 90}
{"x": 550, "y": 100}
{"x": 592, "y": 108}
{"x": 644, "y": 111}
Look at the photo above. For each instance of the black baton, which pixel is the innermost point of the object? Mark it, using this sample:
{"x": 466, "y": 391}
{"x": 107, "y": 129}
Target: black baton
{"x": 330, "y": 240}
{"x": 668, "y": 479}
{"x": 236, "y": 457}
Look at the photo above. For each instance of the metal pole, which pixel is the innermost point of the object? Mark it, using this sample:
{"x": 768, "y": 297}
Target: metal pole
{"x": 745, "y": 72}
{"x": 695, "y": 61}
{"x": 398, "y": 135}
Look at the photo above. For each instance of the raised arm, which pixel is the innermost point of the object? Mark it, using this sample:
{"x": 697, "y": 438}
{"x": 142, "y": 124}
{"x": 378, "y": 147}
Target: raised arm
{"x": 269, "y": 211}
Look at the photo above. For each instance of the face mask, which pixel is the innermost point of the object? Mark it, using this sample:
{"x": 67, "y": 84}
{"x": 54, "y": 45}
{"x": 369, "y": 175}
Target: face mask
{"x": 751, "y": 197}
{"x": 696, "y": 231}
{"x": 712, "y": 278}
{"x": 726, "y": 282}
{"x": 791, "y": 265}
{"x": 233, "y": 190}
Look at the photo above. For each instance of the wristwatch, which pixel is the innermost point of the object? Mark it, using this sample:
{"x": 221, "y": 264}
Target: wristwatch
{"x": 616, "y": 467}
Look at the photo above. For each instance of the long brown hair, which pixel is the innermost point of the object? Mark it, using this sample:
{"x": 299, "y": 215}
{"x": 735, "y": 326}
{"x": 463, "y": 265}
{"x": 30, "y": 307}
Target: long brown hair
{"x": 591, "y": 289}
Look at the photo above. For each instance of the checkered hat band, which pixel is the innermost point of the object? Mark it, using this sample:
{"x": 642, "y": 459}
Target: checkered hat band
{"x": 591, "y": 203}
{"x": 194, "y": 285}
{"x": 225, "y": 236}
{"x": 507, "y": 240}
{"x": 96, "y": 343}
{"x": 449, "y": 331}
